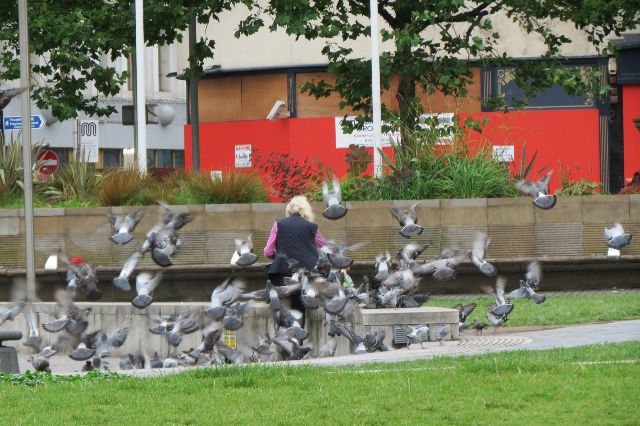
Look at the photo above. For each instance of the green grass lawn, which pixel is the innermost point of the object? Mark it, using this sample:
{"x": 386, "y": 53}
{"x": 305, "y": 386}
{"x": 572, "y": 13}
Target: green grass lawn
{"x": 514, "y": 388}
{"x": 558, "y": 310}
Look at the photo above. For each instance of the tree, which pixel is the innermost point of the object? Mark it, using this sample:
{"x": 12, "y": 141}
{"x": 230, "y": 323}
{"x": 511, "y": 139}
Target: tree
{"x": 72, "y": 35}
{"x": 433, "y": 40}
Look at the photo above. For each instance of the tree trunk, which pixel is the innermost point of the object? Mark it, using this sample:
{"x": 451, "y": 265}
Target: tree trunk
{"x": 409, "y": 111}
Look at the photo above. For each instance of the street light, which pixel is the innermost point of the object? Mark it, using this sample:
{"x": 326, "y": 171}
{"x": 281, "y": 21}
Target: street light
{"x": 375, "y": 90}
{"x": 25, "y": 70}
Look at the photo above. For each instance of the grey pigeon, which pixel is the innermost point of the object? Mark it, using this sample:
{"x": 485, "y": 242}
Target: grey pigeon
{"x": 337, "y": 253}
{"x": 88, "y": 366}
{"x": 478, "y": 253}
{"x": 416, "y": 334}
{"x": 616, "y": 239}
{"x": 155, "y": 361}
{"x": 145, "y": 285}
{"x": 124, "y": 226}
{"x": 33, "y": 340}
{"x": 440, "y": 269}
{"x": 404, "y": 279}
{"x": 499, "y": 311}
{"x": 374, "y": 341}
{"x": 442, "y": 332}
{"x": 529, "y": 285}
{"x": 463, "y": 312}
{"x": 173, "y": 220}
{"x": 408, "y": 220}
{"x": 122, "y": 280}
{"x": 81, "y": 276}
{"x": 328, "y": 350}
{"x": 539, "y": 191}
{"x": 40, "y": 361}
{"x": 354, "y": 338}
{"x": 126, "y": 362}
{"x": 407, "y": 254}
{"x": 478, "y": 326}
{"x": 223, "y": 296}
{"x": 185, "y": 324}
{"x": 332, "y": 198}
{"x": 234, "y": 314}
{"x": 18, "y": 297}
{"x": 383, "y": 265}
{"x": 244, "y": 255}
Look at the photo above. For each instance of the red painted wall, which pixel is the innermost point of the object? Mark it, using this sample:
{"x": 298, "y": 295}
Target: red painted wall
{"x": 631, "y": 110}
{"x": 563, "y": 138}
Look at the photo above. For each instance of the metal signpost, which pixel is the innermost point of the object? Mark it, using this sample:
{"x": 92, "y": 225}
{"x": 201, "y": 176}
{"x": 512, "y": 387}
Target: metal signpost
{"x": 25, "y": 70}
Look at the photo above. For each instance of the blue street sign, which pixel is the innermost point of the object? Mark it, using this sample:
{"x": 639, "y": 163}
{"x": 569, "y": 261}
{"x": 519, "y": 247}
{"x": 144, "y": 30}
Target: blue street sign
{"x": 14, "y": 122}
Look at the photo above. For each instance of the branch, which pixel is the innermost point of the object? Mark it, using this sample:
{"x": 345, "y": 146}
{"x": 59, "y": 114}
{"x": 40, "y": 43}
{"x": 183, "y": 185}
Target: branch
{"x": 391, "y": 20}
{"x": 477, "y": 11}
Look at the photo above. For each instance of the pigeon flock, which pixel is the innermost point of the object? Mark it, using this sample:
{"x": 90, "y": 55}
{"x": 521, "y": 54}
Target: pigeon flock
{"x": 393, "y": 284}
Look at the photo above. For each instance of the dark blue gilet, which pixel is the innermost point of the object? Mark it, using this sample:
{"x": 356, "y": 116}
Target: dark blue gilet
{"x": 297, "y": 239}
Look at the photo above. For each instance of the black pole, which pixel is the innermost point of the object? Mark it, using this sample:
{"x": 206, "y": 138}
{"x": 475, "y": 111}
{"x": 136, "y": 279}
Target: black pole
{"x": 193, "y": 99}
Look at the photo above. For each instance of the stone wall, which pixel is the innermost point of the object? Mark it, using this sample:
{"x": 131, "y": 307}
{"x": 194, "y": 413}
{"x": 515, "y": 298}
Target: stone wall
{"x": 573, "y": 229}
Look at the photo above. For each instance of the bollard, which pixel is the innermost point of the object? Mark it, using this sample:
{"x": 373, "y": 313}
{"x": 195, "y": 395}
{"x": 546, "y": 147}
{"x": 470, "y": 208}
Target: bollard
{"x": 8, "y": 355}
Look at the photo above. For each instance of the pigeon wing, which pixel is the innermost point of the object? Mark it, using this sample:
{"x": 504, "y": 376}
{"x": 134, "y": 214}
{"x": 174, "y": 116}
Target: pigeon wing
{"x": 614, "y": 231}
{"x": 133, "y": 219}
{"x": 398, "y": 214}
{"x": 528, "y": 188}
{"x": 543, "y": 184}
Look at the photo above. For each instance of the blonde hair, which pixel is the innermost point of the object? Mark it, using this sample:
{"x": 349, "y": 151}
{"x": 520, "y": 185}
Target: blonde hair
{"x": 300, "y": 205}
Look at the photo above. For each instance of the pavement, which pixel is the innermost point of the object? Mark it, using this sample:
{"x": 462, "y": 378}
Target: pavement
{"x": 469, "y": 344}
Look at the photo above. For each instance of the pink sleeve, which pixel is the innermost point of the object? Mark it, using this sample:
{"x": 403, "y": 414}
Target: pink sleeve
{"x": 270, "y": 249}
{"x": 320, "y": 241}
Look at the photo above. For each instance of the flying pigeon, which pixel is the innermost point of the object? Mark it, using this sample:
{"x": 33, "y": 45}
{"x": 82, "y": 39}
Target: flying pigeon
{"x": 416, "y": 334}
{"x": 539, "y": 191}
{"x": 244, "y": 256}
{"x": 499, "y": 311}
{"x": 223, "y": 296}
{"x": 336, "y": 253}
{"x": 173, "y": 220}
{"x": 408, "y": 220}
{"x": 40, "y": 361}
{"x": 18, "y": 297}
{"x": 332, "y": 199}
{"x": 145, "y": 284}
{"x": 616, "y": 239}
{"x": 529, "y": 285}
{"x": 478, "y": 253}
{"x": 126, "y": 363}
{"x": 123, "y": 227}
{"x": 350, "y": 333}
{"x": 374, "y": 341}
{"x": 408, "y": 254}
{"x": 383, "y": 265}
{"x": 463, "y": 312}
{"x": 234, "y": 313}
{"x": 122, "y": 280}
{"x": 80, "y": 275}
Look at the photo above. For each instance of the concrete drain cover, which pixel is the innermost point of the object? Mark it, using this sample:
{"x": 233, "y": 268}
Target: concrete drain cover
{"x": 486, "y": 342}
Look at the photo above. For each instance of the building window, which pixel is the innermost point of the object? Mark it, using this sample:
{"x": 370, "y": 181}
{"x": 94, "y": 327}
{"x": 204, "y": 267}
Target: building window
{"x": 165, "y": 159}
{"x": 111, "y": 158}
{"x": 164, "y": 68}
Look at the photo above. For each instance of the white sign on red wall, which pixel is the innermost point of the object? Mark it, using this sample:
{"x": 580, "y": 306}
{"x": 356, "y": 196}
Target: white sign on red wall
{"x": 243, "y": 156}
{"x": 362, "y": 137}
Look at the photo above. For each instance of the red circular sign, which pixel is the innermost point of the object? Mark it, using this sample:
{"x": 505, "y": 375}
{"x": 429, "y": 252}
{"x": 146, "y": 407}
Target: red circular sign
{"x": 47, "y": 162}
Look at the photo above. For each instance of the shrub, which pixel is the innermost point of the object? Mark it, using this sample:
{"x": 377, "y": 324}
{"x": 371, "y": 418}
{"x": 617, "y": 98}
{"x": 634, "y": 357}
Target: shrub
{"x": 76, "y": 181}
{"x": 569, "y": 186}
{"x": 11, "y": 170}
{"x": 233, "y": 187}
{"x": 121, "y": 186}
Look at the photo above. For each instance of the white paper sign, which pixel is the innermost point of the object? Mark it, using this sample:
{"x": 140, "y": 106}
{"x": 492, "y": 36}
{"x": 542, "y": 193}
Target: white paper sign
{"x": 362, "y": 137}
{"x": 243, "y": 156}
{"x": 503, "y": 153}
{"x": 89, "y": 140}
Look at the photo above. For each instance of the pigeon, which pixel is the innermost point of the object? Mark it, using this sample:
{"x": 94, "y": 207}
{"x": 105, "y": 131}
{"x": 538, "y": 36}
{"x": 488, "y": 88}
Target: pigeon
{"x": 40, "y": 361}
{"x": 332, "y": 198}
{"x": 408, "y": 220}
{"x": 123, "y": 227}
{"x": 223, "y": 296}
{"x": 440, "y": 269}
{"x": 173, "y": 220}
{"x": 185, "y": 324}
{"x": 126, "y": 363}
{"x": 442, "y": 332}
{"x": 80, "y": 275}
{"x": 463, "y": 312}
{"x": 33, "y": 340}
{"x": 350, "y": 333}
{"x": 244, "y": 255}
{"x": 529, "y": 285}
{"x": 389, "y": 299}
{"x": 116, "y": 339}
{"x": 374, "y": 341}
{"x": 499, "y": 311}
{"x": 122, "y": 280}
{"x": 234, "y": 313}
{"x": 18, "y": 301}
{"x": 82, "y": 352}
{"x": 155, "y": 361}
{"x": 289, "y": 349}
{"x": 539, "y": 191}
{"x": 328, "y": 350}
{"x": 478, "y": 253}
{"x": 478, "y": 326}
{"x": 262, "y": 350}
{"x": 416, "y": 334}
{"x": 408, "y": 254}
{"x": 383, "y": 265}
{"x": 405, "y": 279}
{"x": 145, "y": 284}
{"x": 336, "y": 253}
{"x": 616, "y": 239}
{"x": 88, "y": 366}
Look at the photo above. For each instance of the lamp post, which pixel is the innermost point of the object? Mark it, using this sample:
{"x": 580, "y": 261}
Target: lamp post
{"x": 29, "y": 245}
{"x": 375, "y": 90}
{"x": 140, "y": 92}
{"x": 194, "y": 116}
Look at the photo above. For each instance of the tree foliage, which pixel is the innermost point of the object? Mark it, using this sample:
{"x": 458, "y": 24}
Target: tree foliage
{"x": 432, "y": 41}
{"x": 72, "y": 36}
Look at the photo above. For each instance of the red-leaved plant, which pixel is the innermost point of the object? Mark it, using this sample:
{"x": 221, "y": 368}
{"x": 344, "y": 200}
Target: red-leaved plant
{"x": 288, "y": 175}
